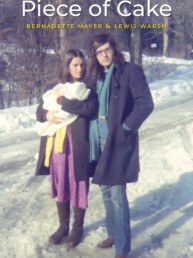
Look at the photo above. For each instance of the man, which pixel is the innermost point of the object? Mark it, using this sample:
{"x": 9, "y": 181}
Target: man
{"x": 124, "y": 103}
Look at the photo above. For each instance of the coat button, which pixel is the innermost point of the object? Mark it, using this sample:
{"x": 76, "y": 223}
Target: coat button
{"x": 115, "y": 96}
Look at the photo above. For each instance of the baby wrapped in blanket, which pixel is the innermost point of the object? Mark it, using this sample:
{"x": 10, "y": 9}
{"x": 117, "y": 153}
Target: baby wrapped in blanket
{"x": 76, "y": 90}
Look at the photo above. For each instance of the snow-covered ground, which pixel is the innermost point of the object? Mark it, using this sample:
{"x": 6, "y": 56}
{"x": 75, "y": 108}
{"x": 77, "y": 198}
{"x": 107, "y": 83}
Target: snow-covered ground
{"x": 161, "y": 202}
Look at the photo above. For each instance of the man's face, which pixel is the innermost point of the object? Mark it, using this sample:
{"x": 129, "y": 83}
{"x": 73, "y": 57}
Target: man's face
{"x": 104, "y": 55}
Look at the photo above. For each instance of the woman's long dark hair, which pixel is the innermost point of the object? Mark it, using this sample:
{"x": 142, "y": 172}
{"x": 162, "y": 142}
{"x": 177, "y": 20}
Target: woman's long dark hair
{"x": 98, "y": 41}
{"x": 64, "y": 72}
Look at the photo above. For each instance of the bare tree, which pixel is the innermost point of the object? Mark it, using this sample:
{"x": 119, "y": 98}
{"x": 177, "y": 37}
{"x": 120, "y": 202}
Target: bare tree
{"x": 181, "y": 25}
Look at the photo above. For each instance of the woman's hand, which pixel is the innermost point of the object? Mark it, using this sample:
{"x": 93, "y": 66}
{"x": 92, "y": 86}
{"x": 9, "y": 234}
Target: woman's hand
{"x": 51, "y": 117}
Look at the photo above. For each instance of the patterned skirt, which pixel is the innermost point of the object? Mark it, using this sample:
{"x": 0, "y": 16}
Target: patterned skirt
{"x": 63, "y": 184}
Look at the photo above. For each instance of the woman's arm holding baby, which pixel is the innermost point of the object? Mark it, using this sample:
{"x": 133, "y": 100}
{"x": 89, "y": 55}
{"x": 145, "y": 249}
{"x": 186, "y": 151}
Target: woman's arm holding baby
{"x": 43, "y": 115}
{"x": 81, "y": 108}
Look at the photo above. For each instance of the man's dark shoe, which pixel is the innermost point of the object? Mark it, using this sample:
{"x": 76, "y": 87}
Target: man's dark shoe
{"x": 120, "y": 255}
{"x": 107, "y": 243}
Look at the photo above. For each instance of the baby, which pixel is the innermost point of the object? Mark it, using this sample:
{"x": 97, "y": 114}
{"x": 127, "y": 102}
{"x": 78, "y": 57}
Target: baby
{"x": 75, "y": 90}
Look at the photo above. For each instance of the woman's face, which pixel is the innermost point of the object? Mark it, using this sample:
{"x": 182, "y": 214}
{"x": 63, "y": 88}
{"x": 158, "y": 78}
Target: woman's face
{"x": 77, "y": 68}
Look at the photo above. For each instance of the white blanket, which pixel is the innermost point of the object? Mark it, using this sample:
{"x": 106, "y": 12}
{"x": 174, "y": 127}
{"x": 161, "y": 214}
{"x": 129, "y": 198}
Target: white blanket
{"x": 71, "y": 91}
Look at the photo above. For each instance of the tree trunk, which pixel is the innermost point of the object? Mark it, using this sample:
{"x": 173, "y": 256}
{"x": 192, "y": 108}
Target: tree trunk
{"x": 136, "y": 48}
{"x": 165, "y": 37}
{"x": 2, "y": 106}
{"x": 9, "y": 101}
{"x": 63, "y": 34}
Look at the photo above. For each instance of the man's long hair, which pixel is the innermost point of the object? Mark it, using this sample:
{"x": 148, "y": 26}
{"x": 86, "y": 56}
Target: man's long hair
{"x": 98, "y": 41}
{"x": 64, "y": 72}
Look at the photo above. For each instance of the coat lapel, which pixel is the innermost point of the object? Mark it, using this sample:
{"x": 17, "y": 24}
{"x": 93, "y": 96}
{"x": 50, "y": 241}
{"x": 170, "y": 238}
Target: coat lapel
{"x": 114, "y": 79}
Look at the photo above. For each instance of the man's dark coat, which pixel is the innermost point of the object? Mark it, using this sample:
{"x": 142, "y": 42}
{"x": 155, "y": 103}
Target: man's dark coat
{"x": 130, "y": 102}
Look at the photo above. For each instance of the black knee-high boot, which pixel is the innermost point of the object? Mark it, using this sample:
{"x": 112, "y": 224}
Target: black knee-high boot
{"x": 64, "y": 218}
{"x": 77, "y": 229}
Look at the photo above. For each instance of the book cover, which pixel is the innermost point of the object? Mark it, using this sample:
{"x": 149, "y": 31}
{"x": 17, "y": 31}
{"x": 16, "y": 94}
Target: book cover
{"x": 155, "y": 34}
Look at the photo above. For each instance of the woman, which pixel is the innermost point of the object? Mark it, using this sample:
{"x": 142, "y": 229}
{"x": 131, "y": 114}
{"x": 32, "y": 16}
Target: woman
{"x": 69, "y": 167}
